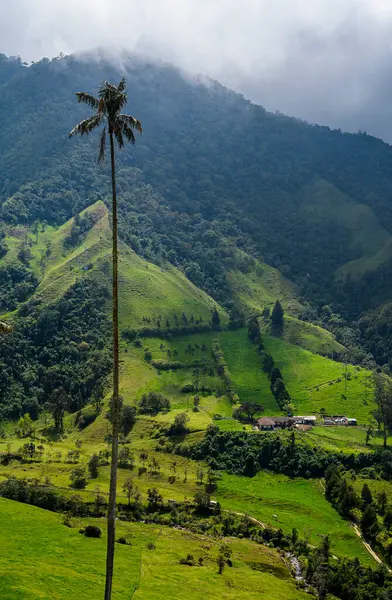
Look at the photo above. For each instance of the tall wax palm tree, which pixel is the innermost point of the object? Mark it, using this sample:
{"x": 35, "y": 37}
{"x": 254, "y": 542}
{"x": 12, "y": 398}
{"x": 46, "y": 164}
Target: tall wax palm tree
{"x": 119, "y": 127}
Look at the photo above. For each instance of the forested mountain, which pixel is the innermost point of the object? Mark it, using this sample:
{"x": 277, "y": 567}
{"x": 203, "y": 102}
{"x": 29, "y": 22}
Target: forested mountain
{"x": 214, "y": 184}
{"x": 255, "y": 269}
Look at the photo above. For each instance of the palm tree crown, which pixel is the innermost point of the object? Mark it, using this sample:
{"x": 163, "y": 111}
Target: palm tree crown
{"x": 111, "y": 100}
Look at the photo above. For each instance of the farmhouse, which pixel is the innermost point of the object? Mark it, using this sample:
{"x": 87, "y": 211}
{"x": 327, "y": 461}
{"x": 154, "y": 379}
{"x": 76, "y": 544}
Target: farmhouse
{"x": 340, "y": 420}
{"x": 306, "y": 420}
{"x": 265, "y": 424}
{"x": 283, "y": 422}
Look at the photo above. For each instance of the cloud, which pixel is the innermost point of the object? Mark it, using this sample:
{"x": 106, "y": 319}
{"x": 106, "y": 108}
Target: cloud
{"x": 323, "y": 60}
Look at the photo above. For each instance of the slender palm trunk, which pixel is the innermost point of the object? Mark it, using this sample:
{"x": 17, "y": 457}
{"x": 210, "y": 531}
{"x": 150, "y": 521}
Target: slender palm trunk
{"x": 111, "y": 517}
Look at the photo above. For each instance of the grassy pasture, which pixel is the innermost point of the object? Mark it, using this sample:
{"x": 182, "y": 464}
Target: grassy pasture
{"x": 41, "y": 558}
{"x": 312, "y": 382}
{"x": 296, "y": 503}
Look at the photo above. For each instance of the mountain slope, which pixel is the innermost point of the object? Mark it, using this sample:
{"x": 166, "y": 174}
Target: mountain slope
{"x": 146, "y": 290}
{"x": 369, "y": 240}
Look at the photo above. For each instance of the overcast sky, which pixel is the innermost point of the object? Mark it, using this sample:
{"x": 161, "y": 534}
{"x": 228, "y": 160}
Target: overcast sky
{"x": 326, "y": 61}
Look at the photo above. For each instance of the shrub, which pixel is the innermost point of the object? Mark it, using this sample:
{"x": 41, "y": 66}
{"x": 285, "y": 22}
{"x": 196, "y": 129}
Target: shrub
{"x": 179, "y": 426}
{"x": 188, "y": 388}
{"x": 167, "y": 365}
{"x": 93, "y": 465}
{"x": 123, "y": 540}
{"x": 92, "y": 531}
{"x": 189, "y": 560}
{"x": 78, "y": 478}
{"x": 147, "y": 355}
{"x": 125, "y": 459}
{"x": 128, "y": 419}
{"x": 85, "y": 417}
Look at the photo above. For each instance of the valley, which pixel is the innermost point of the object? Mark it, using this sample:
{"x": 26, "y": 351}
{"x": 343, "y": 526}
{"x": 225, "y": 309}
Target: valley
{"x": 254, "y": 281}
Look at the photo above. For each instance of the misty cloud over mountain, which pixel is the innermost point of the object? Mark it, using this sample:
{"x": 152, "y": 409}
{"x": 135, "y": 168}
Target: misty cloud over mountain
{"x": 326, "y": 61}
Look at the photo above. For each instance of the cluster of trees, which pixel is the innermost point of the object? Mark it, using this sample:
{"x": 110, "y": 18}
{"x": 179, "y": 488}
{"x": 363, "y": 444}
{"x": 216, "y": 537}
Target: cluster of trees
{"x": 375, "y": 332}
{"x": 17, "y": 283}
{"x": 374, "y": 514}
{"x": 223, "y": 371}
{"x": 152, "y": 403}
{"x": 57, "y": 355}
{"x": 80, "y": 227}
{"x": 383, "y": 400}
{"x": 278, "y": 387}
{"x": 165, "y": 333}
{"x": 246, "y": 454}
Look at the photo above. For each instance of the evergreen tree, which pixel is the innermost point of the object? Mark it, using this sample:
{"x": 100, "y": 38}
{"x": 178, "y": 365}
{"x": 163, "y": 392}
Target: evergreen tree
{"x": 275, "y": 374}
{"x": 215, "y": 318}
{"x": 254, "y": 330}
{"x": 383, "y": 400}
{"x": 277, "y": 315}
{"x": 366, "y": 494}
{"x": 369, "y": 524}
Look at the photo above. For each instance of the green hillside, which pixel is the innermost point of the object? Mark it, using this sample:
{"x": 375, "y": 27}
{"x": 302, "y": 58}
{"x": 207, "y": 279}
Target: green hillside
{"x": 259, "y": 285}
{"x": 288, "y": 503}
{"x": 146, "y": 290}
{"x": 315, "y": 382}
{"x": 369, "y": 241}
{"x": 44, "y": 559}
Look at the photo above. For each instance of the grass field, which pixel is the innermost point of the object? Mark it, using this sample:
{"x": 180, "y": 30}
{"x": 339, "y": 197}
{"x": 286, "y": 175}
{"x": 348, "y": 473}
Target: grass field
{"x": 41, "y": 559}
{"x": 296, "y": 503}
{"x": 244, "y": 363}
{"x": 261, "y": 286}
{"x": 311, "y": 337}
{"x": 312, "y": 382}
{"x": 343, "y": 439}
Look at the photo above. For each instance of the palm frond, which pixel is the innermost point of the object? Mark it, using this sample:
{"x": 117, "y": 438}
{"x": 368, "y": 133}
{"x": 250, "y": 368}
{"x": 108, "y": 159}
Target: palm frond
{"x": 86, "y": 126}
{"x": 122, "y": 85}
{"x": 132, "y": 122}
{"x": 119, "y": 136}
{"x": 103, "y": 89}
{"x": 128, "y": 132}
{"x": 89, "y": 99}
{"x": 102, "y": 145}
{"x": 5, "y": 328}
